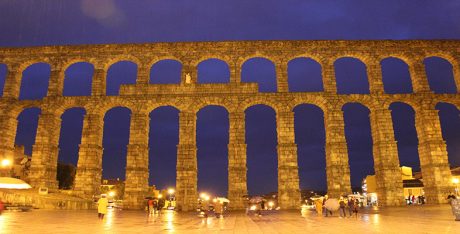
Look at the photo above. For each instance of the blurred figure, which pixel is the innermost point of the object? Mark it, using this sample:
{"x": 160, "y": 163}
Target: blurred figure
{"x": 218, "y": 209}
{"x": 102, "y": 206}
{"x": 2, "y": 207}
{"x": 319, "y": 206}
{"x": 342, "y": 207}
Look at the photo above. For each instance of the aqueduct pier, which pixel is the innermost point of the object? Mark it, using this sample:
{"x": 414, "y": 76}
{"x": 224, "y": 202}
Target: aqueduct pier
{"x": 189, "y": 97}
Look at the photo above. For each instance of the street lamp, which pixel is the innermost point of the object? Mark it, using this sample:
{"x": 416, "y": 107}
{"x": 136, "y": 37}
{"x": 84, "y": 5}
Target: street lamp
{"x": 111, "y": 194}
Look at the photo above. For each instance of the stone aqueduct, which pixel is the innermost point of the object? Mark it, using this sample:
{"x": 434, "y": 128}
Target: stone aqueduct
{"x": 189, "y": 97}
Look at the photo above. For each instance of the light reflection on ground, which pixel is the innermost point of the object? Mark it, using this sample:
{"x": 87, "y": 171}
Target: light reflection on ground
{"x": 434, "y": 219}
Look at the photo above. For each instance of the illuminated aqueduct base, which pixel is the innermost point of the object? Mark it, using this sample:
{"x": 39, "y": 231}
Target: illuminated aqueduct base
{"x": 189, "y": 97}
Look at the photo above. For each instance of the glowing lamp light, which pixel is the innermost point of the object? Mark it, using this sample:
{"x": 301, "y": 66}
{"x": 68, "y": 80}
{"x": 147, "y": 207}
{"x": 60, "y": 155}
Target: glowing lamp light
{"x": 203, "y": 195}
{"x": 455, "y": 180}
{"x": 111, "y": 193}
{"x": 6, "y": 163}
{"x": 214, "y": 200}
{"x": 160, "y": 195}
{"x": 271, "y": 204}
{"x": 171, "y": 191}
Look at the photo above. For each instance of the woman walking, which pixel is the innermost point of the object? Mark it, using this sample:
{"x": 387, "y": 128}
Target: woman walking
{"x": 102, "y": 206}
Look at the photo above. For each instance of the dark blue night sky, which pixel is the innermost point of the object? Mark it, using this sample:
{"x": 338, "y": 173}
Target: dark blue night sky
{"x": 34, "y": 22}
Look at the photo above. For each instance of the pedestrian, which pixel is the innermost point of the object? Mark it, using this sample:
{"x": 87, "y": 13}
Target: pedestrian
{"x": 413, "y": 199}
{"x": 356, "y": 208}
{"x": 351, "y": 202}
{"x": 328, "y": 212}
{"x": 150, "y": 206}
{"x": 102, "y": 206}
{"x": 218, "y": 209}
{"x": 450, "y": 197}
{"x": 160, "y": 205}
{"x": 259, "y": 209}
{"x": 2, "y": 207}
{"x": 342, "y": 207}
{"x": 155, "y": 205}
{"x": 319, "y": 206}
{"x": 262, "y": 205}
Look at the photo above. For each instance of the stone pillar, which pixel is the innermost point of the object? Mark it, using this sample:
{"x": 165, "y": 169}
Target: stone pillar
{"x": 288, "y": 170}
{"x": 235, "y": 72}
{"x": 237, "y": 180}
{"x": 189, "y": 69}
{"x": 45, "y": 151}
{"x": 12, "y": 81}
{"x": 186, "y": 169}
{"x": 374, "y": 76}
{"x": 99, "y": 82}
{"x": 282, "y": 77}
{"x": 143, "y": 74}
{"x": 418, "y": 75}
{"x": 56, "y": 83}
{"x": 386, "y": 161}
{"x": 328, "y": 74}
{"x": 433, "y": 155}
{"x": 89, "y": 168}
{"x": 8, "y": 126}
{"x": 337, "y": 168}
{"x": 137, "y": 164}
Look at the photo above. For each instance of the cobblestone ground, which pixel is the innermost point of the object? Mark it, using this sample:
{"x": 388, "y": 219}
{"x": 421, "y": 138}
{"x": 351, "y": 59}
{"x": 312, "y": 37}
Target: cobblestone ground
{"x": 428, "y": 219}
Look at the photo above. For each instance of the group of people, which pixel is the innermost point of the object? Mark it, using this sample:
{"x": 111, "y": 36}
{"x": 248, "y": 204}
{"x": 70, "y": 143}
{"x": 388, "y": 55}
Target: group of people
{"x": 207, "y": 207}
{"x": 155, "y": 205}
{"x": 351, "y": 204}
{"x": 412, "y": 200}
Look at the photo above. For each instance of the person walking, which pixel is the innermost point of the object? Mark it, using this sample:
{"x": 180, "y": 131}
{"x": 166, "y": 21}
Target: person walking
{"x": 342, "y": 207}
{"x": 102, "y": 206}
{"x": 351, "y": 203}
{"x": 160, "y": 205}
{"x": 328, "y": 212}
{"x": 356, "y": 208}
{"x": 218, "y": 209}
{"x": 319, "y": 206}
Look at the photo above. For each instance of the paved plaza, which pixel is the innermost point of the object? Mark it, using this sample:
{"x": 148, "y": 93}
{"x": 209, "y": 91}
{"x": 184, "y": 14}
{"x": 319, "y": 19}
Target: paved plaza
{"x": 428, "y": 219}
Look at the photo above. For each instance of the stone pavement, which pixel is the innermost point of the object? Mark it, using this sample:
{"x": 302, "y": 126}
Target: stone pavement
{"x": 428, "y": 219}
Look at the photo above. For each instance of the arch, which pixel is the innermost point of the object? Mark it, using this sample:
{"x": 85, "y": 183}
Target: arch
{"x": 403, "y": 117}
{"x": 261, "y": 140}
{"x": 166, "y": 71}
{"x": 212, "y": 138}
{"x": 34, "y": 81}
{"x": 359, "y": 143}
{"x": 450, "y": 123}
{"x": 122, "y": 72}
{"x": 78, "y": 79}
{"x": 310, "y": 137}
{"x": 351, "y": 76}
{"x": 121, "y": 58}
{"x": 69, "y": 141}
{"x": 440, "y": 75}
{"x": 163, "y": 140}
{"x": 213, "y": 71}
{"x": 395, "y": 76}
{"x": 261, "y": 71}
{"x": 304, "y": 75}
{"x": 114, "y": 142}
{"x": 3, "y": 72}
{"x": 26, "y": 130}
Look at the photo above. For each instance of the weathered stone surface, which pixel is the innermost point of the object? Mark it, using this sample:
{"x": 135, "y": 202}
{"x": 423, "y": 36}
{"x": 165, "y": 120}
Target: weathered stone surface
{"x": 189, "y": 97}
